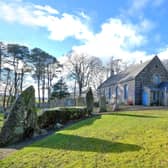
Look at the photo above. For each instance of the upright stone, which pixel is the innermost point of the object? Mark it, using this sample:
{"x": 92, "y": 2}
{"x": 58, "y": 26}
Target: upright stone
{"x": 89, "y": 101}
{"x": 115, "y": 106}
{"x": 102, "y": 104}
{"x": 80, "y": 101}
{"x": 22, "y": 119}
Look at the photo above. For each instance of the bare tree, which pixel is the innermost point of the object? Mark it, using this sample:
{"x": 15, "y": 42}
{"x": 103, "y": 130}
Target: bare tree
{"x": 83, "y": 68}
{"x": 98, "y": 74}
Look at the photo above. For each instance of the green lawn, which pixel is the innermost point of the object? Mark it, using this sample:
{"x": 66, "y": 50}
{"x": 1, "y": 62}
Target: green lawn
{"x": 123, "y": 140}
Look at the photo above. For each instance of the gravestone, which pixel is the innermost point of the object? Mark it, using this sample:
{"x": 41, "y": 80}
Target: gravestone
{"x": 115, "y": 105}
{"x": 102, "y": 104}
{"x": 22, "y": 119}
{"x": 80, "y": 101}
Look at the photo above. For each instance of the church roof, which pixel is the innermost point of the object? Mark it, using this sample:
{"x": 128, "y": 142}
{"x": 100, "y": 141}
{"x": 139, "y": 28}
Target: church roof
{"x": 129, "y": 74}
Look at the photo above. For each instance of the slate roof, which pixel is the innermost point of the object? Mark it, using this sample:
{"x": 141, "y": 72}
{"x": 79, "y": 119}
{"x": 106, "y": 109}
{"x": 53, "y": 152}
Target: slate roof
{"x": 129, "y": 74}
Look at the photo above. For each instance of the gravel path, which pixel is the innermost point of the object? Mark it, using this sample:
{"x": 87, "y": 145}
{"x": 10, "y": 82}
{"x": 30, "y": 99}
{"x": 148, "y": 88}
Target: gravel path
{"x": 4, "y": 152}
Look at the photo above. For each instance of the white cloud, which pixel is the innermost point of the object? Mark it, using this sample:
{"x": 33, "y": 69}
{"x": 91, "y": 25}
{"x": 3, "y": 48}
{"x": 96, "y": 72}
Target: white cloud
{"x": 68, "y": 25}
{"x": 47, "y": 8}
{"x": 84, "y": 15}
{"x": 60, "y": 27}
{"x": 116, "y": 39}
{"x": 163, "y": 53}
{"x": 146, "y": 25}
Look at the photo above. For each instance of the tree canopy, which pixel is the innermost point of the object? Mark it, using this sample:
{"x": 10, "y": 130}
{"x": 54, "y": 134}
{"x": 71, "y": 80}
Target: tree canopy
{"x": 60, "y": 90}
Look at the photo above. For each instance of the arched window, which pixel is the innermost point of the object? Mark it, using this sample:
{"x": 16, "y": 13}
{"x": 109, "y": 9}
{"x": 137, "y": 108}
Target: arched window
{"x": 125, "y": 91}
{"x": 156, "y": 79}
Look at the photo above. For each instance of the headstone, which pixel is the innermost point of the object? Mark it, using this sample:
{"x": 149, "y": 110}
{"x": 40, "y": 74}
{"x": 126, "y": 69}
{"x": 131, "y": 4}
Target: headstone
{"x": 80, "y": 101}
{"x": 22, "y": 119}
{"x": 102, "y": 104}
{"x": 115, "y": 105}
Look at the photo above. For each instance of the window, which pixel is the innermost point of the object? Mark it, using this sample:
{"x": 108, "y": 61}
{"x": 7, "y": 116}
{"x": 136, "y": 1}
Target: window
{"x": 110, "y": 92}
{"x": 116, "y": 90}
{"x": 156, "y": 79}
{"x": 106, "y": 93}
{"x": 125, "y": 91}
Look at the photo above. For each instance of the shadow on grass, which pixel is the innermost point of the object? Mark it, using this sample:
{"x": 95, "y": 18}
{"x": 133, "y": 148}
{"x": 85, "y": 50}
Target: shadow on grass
{"x": 78, "y": 143}
{"x": 135, "y": 115}
{"x": 82, "y": 123}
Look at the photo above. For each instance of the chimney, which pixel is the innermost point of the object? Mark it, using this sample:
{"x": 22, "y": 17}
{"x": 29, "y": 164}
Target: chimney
{"x": 112, "y": 72}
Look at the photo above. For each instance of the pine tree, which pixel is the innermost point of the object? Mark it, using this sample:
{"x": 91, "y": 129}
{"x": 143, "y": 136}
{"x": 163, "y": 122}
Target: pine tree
{"x": 60, "y": 90}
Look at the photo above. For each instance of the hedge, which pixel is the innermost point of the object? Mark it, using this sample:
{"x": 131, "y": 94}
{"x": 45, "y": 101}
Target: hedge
{"x": 50, "y": 117}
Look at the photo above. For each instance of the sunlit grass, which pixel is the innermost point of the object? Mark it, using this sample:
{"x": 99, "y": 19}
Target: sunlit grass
{"x": 123, "y": 140}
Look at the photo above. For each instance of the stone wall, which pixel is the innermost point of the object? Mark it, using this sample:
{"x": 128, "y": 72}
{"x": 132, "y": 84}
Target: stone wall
{"x": 120, "y": 99}
{"x": 145, "y": 78}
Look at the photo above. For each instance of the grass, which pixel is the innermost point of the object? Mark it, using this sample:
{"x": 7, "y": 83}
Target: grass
{"x": 121, "y": 140}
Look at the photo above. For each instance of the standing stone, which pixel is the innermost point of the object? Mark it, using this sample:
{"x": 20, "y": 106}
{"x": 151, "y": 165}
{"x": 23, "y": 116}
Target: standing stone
{"x": 115, "y": 106}
{"x": 22, "y": 119}
{"x": 89, "y": 101}
{"x": 102, "y": 104}
{"x": 80, "y": 101}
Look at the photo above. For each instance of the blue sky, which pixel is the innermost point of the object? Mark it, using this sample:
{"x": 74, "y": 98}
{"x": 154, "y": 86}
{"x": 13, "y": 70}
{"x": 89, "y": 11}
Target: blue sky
{"x": 126, "y": 29}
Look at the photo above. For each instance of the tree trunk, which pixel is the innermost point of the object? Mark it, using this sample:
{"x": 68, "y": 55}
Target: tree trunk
{"x": 9, "y": 100}
{"x": 15, "y": 78}
{"x": 7, "y": 83}
{"x": 21, "y": 80}
{"x": 80, "y": 88}
{"x": 38, "y": 85}
{"x": 43, "y": 89}
{"x": 75, "y": 93}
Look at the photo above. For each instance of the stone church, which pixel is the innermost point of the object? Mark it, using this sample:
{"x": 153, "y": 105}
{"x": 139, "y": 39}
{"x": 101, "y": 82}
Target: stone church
{"x": 141, "y": 84}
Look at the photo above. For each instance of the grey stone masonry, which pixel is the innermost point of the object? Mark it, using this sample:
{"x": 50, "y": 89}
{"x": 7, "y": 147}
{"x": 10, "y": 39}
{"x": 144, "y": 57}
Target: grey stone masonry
{"x": 145, "y": 77}
{"x": 136, "y": 77}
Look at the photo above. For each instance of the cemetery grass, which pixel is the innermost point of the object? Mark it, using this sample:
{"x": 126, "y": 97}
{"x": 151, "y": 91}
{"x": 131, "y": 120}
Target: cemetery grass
{"x": 123, "y": 139}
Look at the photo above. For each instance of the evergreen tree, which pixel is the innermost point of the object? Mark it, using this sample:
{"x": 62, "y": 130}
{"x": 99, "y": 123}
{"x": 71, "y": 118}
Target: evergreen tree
{"x": 60, "y": 90}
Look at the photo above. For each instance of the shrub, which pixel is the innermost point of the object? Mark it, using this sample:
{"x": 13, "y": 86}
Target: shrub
{"x": 50, "y": 117}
